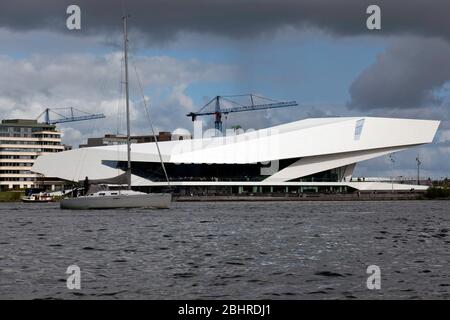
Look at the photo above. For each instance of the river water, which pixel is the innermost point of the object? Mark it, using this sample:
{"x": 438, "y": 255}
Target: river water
{"x": 234, "y": 250}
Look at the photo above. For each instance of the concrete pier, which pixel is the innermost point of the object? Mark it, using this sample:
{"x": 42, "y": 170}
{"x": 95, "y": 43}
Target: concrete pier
{"x": 304, "y": 197}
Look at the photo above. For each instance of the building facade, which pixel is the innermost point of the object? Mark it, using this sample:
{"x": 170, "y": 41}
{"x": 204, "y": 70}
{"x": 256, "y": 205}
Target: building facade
{"x": 113, "y": 139}
{"x": 311, "y": 154}
{"x": 21, "y": 142}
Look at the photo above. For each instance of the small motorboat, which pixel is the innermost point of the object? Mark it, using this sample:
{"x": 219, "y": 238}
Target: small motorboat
{"x": 40, "y": 197}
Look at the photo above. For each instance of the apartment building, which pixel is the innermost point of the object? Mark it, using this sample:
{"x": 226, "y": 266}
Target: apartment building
{"x": 21, "y": 142}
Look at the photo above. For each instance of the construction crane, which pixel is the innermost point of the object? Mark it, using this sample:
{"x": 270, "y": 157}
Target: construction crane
{"x": 234, "y": 106}
{"x": 83, "y": 115}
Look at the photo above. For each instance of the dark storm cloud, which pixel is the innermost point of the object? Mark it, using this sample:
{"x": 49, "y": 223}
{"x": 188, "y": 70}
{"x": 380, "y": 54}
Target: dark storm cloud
{"x": 163, "y": 19}
{"x": 408, "y": 75}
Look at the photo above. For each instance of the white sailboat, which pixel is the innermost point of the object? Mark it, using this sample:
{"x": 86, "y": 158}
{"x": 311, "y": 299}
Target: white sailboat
{"x": 128, "y": 198}
{"x": 112, "y": 199}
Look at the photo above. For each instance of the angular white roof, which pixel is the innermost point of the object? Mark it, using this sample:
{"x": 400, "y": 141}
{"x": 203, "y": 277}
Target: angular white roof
{"x": 321, "y": 143}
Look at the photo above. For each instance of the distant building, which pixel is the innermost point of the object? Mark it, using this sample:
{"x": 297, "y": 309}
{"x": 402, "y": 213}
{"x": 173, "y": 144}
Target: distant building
{"x": 112, "y": 139}
{"x": 181, "y": 134}
{"x": 21, "y": 142}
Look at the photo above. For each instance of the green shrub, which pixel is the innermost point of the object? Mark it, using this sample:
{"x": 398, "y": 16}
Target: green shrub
{"x": 437, "y": 192}
{"x": 10, "y": 195}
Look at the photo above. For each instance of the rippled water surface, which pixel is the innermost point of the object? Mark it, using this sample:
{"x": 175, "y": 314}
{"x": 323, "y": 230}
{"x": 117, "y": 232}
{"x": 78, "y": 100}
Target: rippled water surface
{"x": 267, "y": 250}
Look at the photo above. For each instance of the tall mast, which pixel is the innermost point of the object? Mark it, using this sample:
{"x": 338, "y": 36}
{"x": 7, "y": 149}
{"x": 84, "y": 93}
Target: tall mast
{"x": 125, "y": 48}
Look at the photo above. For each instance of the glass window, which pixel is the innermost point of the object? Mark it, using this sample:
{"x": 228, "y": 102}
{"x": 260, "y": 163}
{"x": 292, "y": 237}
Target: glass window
{"x": 358, "y": 128}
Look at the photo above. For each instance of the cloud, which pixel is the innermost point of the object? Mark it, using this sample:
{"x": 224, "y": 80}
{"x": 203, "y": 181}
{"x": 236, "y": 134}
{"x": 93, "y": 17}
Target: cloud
{"x": 162, "y": 20}
{"x": 408, "y": 80}
{"x": 444, "y": 136}
{"x": 93, "y": 83}
{"x": 433, "y": 156}
{"x": 409, "y": 74}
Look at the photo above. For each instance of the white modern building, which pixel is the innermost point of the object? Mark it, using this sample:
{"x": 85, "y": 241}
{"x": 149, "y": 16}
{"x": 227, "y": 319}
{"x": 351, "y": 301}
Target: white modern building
{"x": 310, "y": 154}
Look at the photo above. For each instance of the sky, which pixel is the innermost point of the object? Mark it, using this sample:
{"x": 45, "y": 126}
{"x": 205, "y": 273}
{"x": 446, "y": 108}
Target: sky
{"x": 184, "y": 52}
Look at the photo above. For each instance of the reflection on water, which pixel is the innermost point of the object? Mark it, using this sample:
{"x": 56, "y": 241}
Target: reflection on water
{"x": 297, "y": 250}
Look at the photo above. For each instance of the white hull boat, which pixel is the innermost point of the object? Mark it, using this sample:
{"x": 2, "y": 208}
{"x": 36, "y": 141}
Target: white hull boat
{"x": 118, "y": 199}
{"x": 36, "y": 198}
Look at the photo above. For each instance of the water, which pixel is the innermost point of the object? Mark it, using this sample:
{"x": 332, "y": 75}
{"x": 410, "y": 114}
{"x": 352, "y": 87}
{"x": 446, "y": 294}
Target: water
{"x": 296, "y": 250}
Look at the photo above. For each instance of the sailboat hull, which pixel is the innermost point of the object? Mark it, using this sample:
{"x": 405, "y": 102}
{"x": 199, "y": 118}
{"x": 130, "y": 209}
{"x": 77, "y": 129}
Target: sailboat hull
{"x": 153, "y": 200}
